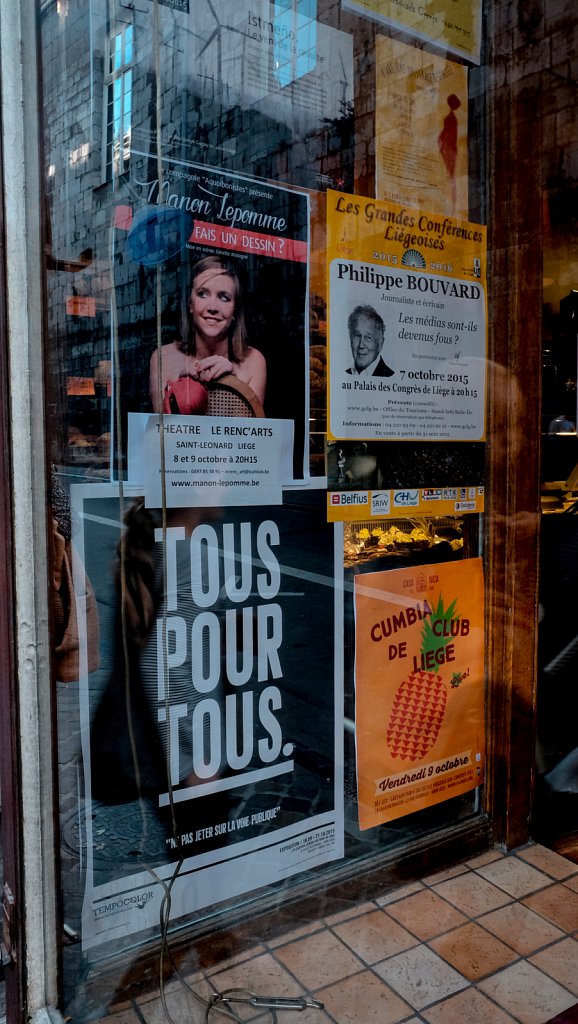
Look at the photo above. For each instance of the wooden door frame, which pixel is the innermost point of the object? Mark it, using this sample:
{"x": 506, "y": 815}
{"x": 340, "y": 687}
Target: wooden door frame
{"x": 22, "y": 408}
{"x": 514, "y": 169}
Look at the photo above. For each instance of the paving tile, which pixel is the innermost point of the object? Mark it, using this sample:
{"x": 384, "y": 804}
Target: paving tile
{"x": 558, "y": 904}
{"x": 296, "y": 933}
{"x": 441, "y": 876}
{"x": 473, "y": 951}
{"x": 309, "y": 1016}
{"x": 420, "y": 976}
{"x": 121, "y": 1017}
{"x": 380, "y": 1005}
{"x": 263, "y": 975}
{"x": 244, "y": 1013}
{"x": 354, "y": 911}
{"x": 259, "y": 1015}
{"x": 318, "y": 960}
{"x": 467, "y": 1007}
{"x": 515, "y": 877}
{"x": 472, "y": 894}
{"x": 115, "y": 1009}
{"x": 485, "y": 858}
{"x": 527, "y": 993}
{"x": 549, "y": 861}
{"x": 186, "y": 980}
{"x": 180, "y": 1003}
{"x": 426, "y": 914}
{"x": 572, "y": 883}
{"x": 560, "y": 962}
{"x": 374, "y": 936}
{"x": 399, "y": 894}
{"x": 150, "y": 997}
{"x": 521, "y": 928}
{"x": 239, "y": 958}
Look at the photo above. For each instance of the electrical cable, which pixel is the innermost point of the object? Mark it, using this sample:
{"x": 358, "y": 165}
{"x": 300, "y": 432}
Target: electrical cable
{"x": 221, "y": 1002}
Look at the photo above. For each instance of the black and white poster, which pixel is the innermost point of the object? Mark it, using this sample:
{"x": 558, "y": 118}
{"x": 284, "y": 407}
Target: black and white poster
{"x": 201, "y": 722}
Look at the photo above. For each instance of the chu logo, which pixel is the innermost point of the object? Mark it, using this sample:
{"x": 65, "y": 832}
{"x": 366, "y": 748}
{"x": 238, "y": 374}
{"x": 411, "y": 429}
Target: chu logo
{"x": 406, "y": 499}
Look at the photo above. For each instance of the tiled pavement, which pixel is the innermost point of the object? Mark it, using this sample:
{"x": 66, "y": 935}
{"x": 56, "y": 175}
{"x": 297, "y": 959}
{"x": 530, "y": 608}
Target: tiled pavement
{"x": 492, "y": 941}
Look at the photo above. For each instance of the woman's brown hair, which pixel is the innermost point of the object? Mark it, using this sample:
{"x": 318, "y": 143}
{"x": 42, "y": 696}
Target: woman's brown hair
{"x": 238, "y": 335}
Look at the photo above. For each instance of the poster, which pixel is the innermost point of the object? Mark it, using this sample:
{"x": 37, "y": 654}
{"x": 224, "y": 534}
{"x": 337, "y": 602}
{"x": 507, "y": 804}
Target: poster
{"x": 421, "y": 118}
{"x": 419, "y": 671}
{"x": 209, "y": 460}
{"x": 256, "y": 80}
{"x": 260, "y": 234}
{"x": 407, "y": 323}
{"x": 452, "y": 25}
{"x": 240, "y": 761}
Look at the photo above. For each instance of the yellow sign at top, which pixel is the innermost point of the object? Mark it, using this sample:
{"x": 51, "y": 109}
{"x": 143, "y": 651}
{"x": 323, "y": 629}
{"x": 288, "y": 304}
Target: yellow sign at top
{"x": 407, "y": 323}
{"x": 453, "y": 25}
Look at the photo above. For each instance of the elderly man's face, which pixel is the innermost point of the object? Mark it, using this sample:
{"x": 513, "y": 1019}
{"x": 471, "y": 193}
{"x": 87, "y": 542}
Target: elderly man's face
{"x": 366, "y": 341}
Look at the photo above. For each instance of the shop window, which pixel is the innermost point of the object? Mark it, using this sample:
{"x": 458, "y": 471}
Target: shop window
{"x": 292, "y": 294}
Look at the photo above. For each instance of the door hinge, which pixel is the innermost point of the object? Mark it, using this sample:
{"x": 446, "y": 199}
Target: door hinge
{"x": 8, "y": 944}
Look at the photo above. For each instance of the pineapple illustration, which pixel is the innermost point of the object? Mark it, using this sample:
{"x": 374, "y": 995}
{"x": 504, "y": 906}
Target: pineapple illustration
{"x": 420, "y": 701}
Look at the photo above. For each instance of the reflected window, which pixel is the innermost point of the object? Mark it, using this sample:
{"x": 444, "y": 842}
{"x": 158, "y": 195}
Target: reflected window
{"x": 118, "y": 86}
{"x": 295, "y": 39}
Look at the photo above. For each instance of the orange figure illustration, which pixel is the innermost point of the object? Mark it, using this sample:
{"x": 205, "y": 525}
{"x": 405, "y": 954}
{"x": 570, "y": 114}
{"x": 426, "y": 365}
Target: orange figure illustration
{"x": 448, "y": 142}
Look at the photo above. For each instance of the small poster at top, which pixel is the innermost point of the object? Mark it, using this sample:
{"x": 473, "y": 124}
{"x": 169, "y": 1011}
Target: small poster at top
{"x": 421, "y": 116}
{"x": 452, "y": 25}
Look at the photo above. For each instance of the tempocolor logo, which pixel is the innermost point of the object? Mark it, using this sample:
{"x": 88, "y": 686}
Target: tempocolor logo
{"x": 118, "y": 904}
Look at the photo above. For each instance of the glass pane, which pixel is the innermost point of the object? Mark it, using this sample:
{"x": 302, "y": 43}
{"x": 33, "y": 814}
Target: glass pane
{"x": 556, "y": 750}
{"x": 117, "y": 52}
{"x": 267, "y": 363}
{"x": 128, "y": 44}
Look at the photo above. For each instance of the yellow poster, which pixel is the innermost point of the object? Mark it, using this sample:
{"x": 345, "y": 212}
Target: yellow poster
{"x": 419, "y": 684}
{"x": 407, "y": 323}
{"x": 421, "y": 144}
{"x": 452, "y": 25}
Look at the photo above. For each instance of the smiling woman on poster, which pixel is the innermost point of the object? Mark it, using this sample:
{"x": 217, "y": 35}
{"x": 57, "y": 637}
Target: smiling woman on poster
{"x": 213, "y": 338}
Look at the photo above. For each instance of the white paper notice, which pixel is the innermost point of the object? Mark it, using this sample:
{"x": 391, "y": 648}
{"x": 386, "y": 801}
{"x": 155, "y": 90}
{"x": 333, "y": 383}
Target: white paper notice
{"x": 426, "y": 380}
{"x": 209, "y": 460}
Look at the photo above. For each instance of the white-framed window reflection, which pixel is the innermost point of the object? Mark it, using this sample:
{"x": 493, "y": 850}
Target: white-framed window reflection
{"x": 118, "y": 99}
{"x": 294, "y": 28}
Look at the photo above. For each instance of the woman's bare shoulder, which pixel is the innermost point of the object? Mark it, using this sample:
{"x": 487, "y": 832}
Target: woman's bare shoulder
{"x": 253, "y": 370}
{"x": 254, "y": 357}
{"x": 166, "y": 352}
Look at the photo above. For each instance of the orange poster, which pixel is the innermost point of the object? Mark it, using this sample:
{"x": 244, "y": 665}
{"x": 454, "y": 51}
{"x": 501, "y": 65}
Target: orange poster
{"x": 421, "y": 119}
{"x": 419, "y": 683}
